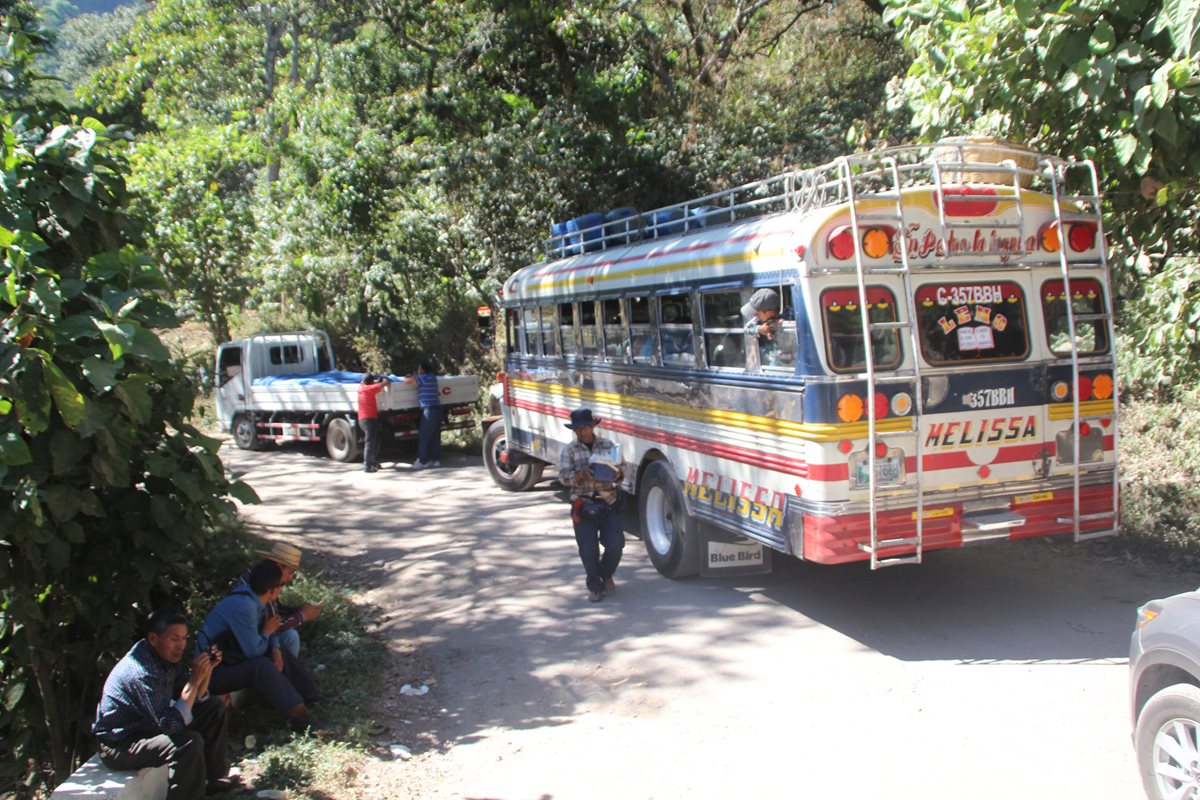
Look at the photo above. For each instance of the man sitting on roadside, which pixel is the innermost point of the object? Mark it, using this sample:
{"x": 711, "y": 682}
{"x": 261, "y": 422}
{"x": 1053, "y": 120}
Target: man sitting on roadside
{"x": 245, "y": 631}
{"x": 287, "y": 557}
{"x": 153, "y": 712}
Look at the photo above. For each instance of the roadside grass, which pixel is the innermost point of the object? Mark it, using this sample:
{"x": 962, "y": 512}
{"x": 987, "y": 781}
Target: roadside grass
{"x": 346, "y": 659}
{"x": 1160, "y": 476}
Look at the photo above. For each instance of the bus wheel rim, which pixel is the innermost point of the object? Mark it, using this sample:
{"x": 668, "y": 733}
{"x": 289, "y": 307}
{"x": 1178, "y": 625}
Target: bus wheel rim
{"x": 659, "y": 524}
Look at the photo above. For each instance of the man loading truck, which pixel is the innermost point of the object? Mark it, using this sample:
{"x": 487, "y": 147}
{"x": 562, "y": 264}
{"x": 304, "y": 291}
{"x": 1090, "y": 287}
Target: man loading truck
{"x": 281, "y": 387}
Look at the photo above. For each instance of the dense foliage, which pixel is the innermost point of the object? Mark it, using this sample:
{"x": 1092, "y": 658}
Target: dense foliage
{"x": 379, "y": 170}
{"x": 107, "y": 492}
{"x": 1118, "y": 82}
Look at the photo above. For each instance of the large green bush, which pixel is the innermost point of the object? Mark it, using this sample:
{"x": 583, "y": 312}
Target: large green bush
{"x": 106, "y": 492}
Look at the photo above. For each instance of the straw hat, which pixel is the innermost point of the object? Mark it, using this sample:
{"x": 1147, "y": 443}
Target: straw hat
{"x": 283, "y": 554}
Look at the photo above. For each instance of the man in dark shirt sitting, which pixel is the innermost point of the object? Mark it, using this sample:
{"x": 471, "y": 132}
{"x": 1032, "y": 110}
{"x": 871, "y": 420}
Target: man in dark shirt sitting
{"x": 156, "y": 711}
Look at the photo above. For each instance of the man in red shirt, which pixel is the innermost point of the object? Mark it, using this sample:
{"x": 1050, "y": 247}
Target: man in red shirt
{"x": 368, "y": 417}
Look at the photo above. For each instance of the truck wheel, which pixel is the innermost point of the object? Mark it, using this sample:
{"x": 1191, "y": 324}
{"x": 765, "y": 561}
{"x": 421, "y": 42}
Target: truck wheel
{"x": 341, "y": 440}
{"x": 513, "y": 477}
{"x": 245, "y": 435}
{"x": 668, "y": 530}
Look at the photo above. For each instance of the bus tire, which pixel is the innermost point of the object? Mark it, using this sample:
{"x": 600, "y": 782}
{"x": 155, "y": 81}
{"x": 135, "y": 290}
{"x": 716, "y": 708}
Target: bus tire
{"x": 245, "y": 435}
{"x": 511, "y": 477}
{"x": 668, "y": 530}
{"x": 341, "y": 440}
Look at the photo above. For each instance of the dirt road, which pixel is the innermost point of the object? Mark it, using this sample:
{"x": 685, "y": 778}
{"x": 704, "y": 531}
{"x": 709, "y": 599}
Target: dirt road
{"x": 993, "y": 672}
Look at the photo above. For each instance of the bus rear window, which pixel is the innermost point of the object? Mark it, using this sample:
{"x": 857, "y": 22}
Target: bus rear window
{"x": 972, "y": 322}
{"x": 844, "y": 330}
{"x": 1091, "y": 335}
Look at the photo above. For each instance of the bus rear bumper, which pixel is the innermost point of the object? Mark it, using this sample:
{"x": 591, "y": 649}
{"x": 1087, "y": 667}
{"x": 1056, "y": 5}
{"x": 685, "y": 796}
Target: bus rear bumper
{"x": 839, "y": 539}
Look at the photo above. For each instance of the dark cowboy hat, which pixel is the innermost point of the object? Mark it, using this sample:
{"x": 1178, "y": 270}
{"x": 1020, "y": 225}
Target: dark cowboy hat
{"x": 582, "y": 417}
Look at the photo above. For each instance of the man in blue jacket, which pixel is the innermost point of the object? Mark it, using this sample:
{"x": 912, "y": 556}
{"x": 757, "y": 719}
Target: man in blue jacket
{"x": 155, "y": 710}
{"x": 246, "y": 633}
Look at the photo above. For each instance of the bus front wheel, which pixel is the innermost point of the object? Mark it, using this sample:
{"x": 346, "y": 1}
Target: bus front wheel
{"x": 668, "y": 530}
{"x": 509, "y": 476}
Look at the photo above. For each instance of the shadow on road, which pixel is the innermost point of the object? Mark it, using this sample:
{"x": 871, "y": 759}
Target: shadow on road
{"x": 489, "y": 585}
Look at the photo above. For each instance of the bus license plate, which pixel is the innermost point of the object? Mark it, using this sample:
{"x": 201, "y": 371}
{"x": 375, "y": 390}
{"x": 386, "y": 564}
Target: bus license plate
{"x": 887, "y": 470}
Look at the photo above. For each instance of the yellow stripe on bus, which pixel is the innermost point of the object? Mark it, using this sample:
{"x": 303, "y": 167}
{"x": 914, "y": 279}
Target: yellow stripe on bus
{"x": 1061, "y": 411}
{"x": 813, "y": 432}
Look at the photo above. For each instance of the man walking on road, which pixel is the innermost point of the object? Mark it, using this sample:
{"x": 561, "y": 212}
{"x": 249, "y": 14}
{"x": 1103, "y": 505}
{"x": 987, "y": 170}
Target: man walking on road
{"x": 593, "y": 479}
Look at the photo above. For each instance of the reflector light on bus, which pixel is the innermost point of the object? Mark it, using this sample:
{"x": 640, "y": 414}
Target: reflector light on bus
{"x": 1102, "y": 386}
{"x": 1059, "y": 390}
{"x": 877, "y": 242}
{"x": 1048, "y": 236}
{"x": 850, "y": 408}
{"x": 901, "y": 404}
{"x": 845, "y": 446}
{"x": 1081, "y": 236}
{"x": 881, "y": 450}
{"x": 985, "y": 471}
{"x": 1085, "y": 429}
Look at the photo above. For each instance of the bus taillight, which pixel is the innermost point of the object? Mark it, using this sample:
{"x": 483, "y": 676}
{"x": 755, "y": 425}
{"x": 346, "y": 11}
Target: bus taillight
{"x": 850, "y": 408}
{"x": 881, "y": 405}
{"x": 901, "y": 404}
{"x": 1085, "y": 388}
{"x": 841, "y": 243}
{"x": 1082, "y": 236}
{"x": 1102, "y": 386}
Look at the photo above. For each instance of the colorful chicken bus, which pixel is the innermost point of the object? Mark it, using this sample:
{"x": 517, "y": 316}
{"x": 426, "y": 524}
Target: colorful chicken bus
{"x": 984, "y": 408}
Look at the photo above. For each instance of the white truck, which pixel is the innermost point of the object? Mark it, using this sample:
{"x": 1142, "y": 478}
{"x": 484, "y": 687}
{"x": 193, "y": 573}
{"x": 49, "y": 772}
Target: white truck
{"x": 281, "y": 387}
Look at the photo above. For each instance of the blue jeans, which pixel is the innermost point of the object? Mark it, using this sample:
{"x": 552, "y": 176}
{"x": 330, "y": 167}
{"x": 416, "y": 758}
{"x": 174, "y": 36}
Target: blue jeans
{"x": 429, "y": 437}
{"x": 282, "y": 690}
{"x": 590, "y": 534}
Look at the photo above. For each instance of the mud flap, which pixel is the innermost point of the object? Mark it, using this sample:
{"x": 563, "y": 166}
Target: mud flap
{"x": 723, "y": 553}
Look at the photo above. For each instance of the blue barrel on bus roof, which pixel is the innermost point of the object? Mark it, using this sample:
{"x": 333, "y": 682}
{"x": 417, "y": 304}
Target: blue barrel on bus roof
{"x": 589, "y": 229}
{"x": 621, "y": 226}
{"x": 707, "y": 216}
{"x": 664, "y": 223}
{"x": 558, "y": 236}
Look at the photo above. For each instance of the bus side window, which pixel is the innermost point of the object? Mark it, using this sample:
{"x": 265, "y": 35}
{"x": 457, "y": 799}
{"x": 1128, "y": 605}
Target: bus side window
{"x": 512, "y": 330}
{"x": 724, "y": 330}
{"x": 549, "y": 331}
{"x": 615, "y": 342}
{"x": 529, "y": 321}
{"x": 641, "y": 331}
{"x": 588, "y": 330}
{"x": 675, "y": 327}
{"x": 566, "y": 318}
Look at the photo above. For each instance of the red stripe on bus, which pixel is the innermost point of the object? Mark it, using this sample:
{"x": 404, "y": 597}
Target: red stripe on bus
{"x": 791, "y": 466}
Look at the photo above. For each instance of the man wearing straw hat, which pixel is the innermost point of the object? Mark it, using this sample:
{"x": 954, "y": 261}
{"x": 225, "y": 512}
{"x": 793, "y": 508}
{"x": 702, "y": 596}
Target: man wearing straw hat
{"x": 287, "y": 558}
{"x": 593, "y": 482}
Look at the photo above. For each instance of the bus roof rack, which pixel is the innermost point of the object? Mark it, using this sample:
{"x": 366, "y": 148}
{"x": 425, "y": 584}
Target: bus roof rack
{"x": 956, "y": 160}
